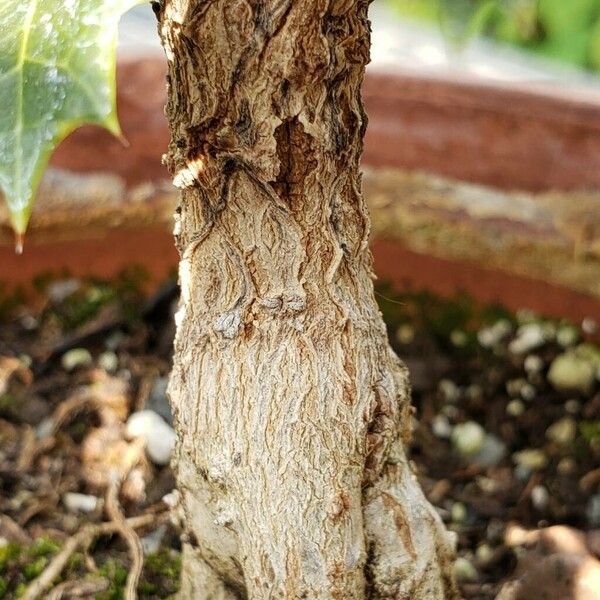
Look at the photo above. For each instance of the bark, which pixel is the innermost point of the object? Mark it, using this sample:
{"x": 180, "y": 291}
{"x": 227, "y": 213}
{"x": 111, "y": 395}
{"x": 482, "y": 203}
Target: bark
{"x": 290, "y": 406}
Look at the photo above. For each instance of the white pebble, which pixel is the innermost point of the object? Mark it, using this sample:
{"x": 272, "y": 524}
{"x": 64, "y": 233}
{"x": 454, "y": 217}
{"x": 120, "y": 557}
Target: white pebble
{"x": 405, "y": 334}
{"x": 540, "y": 497}
{"x": 567, "y": 336}
{"x": 80, "y": 502}
{"x": 458, "y": 512}
{"x": 449, "y": 390}
{"x": 533, "y": 364}
{"x": 562, "y": 432}
{"x": 569, "y": 371}
{"x": 108, "y": 361}
{"x": 440, "y": 426}
{"x": 76, "y": 358}
{"x": 159, "y": 436}
{"x": 531, "y": 459}
{"x": 529, "y": 337}
{"x": 515, "y": 408}
{"x": 528, "y": 392}
{"x": 468, "y": 438}
{"x": 484, "y": 554}
{"x": 464, "y": 570}
{"x": 488, "y": 337}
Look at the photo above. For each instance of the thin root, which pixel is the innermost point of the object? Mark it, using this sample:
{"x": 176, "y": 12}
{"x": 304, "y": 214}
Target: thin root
{"x": 84, "y": 536}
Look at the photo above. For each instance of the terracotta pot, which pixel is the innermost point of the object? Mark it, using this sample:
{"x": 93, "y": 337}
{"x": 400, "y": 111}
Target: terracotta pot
{"x": 504, "y": 137}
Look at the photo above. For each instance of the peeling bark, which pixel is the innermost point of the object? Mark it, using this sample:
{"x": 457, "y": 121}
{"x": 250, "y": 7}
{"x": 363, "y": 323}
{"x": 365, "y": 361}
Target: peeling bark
{"x": 290, "y": 406}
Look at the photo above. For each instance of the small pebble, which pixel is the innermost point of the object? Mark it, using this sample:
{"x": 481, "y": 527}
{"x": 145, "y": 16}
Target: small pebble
{"x": 488, "y": 337}
{"x": 531, "y": 459}
{"x": 458, "y": 512}
{"x": 514, "y": 386}
{"x": 464, "y": 570}
{"x": 449, "y": 390}
{"x": 45, "y": 428}
{"x": 172, "y": 499}
{"x": 450, "y": 411}
{"x": 25, "y": 360}
{"x": 152, "y": 542}
{"x": 515, "y": 408}
{"x": 405, "y": 334}
{"x": 468, "y": 438}
{"x": 440, "y": 426}
{"x": 58, "y": 291}
{"x": 80, "y": 502}
{"x": 562, "y": 432}
{"x": 114, "y": 340}
{"x": 484, "y": 554}
{"x": 539, "y": 497}
{"x": 573, "y": 407}
{"x": 108, "y": 361}
{"x": 569, "y": 371}
{"x": 491, "y": 453}
{"x": 458, "y": 338}
{"x": 566, "y": 466}
{"x": 567, "y": 336}
{"x": 529, "y": 337}
{"x": 589, "y": 326}
{"x": 592, "y": 511}
{"x": 533, "y": 364}
{"x": 549, "y": 330}
{"x": 526, "y": 315}
{"x": 28, "y": 322}
{"x": 158, "y": 400}
{"x": 76, "y": 359}
{"x": 474, "y": 392}
{"x": 487, "y": 485}
{"x": 528, "y": 392}
{"x": 159, "y": 435}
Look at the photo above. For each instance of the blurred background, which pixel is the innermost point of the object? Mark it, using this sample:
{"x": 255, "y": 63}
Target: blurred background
{"x": 482, "y": 174}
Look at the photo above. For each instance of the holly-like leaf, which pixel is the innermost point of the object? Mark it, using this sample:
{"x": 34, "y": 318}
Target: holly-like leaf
{"x": 57, "y": 72}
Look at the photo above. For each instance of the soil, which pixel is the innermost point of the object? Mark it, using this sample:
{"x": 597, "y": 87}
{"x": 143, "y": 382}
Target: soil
{"x": 79, "y": 356}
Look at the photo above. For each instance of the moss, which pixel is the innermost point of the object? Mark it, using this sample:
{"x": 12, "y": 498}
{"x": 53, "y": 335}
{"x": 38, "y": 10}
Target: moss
{"x": 165, "y": 563}
{"x": 116, "y": 574}
{"x": 162, "y": 572}
{"x": 9, "y": 553}
{"x": 590, "y": 430}
{"x": 33, "y": 569}
{"x": 44, "y": 547}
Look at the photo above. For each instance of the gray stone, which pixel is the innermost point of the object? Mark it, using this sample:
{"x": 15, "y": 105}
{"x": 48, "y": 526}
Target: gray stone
{"x": 158, "y": 400}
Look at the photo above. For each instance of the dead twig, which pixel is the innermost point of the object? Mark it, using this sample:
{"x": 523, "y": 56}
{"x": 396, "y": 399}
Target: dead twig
{"x": 113, "y": 509}
{"x": 79, "y": 589}
{"x": 42, "y": 583}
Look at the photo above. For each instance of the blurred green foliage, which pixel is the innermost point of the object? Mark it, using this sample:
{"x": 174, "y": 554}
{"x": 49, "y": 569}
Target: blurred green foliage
{"x": 565, "y": 30}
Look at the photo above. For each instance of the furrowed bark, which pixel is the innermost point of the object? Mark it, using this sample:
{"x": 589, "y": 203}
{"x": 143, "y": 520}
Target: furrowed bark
{"x": 290, "y": 406}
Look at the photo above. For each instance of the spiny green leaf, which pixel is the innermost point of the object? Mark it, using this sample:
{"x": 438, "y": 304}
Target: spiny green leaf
{"x": 57, "y": 72}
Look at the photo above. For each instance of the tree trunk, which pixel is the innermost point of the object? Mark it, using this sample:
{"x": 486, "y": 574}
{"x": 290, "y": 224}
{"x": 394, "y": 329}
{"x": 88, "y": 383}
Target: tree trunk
{"x": 291, "y": 408}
